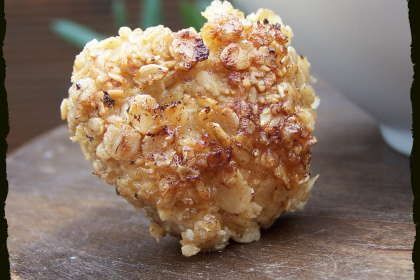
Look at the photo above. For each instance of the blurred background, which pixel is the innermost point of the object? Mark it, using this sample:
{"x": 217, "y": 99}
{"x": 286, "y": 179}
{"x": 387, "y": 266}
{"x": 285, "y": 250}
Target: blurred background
{"x": 360, "y": 47}
{"x": 39, "y": 62}
{"x": 363, "y": 49}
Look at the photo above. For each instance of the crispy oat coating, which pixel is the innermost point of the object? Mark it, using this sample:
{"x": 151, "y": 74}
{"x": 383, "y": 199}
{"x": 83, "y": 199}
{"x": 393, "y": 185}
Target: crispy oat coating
{"x": 209, "y": 132}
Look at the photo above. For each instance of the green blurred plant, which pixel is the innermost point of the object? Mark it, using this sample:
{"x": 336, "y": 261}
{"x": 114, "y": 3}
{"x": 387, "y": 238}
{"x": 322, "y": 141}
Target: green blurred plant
{"x": 150, "y": 14}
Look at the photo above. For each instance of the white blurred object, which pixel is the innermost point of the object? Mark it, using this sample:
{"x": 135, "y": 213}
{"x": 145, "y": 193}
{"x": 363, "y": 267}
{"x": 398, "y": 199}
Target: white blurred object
{"x": 362, "y": 48}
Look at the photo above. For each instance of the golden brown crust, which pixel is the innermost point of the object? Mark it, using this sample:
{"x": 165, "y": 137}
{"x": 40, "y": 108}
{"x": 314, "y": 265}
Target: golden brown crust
{"x": 209, "y": 132}
{"x": 189, "y": 48}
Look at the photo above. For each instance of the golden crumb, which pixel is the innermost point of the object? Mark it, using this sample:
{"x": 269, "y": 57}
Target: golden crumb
{"x": 210, "y": 133}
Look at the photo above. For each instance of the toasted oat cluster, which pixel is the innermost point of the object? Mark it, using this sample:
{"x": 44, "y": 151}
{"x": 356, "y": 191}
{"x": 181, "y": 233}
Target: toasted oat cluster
{"x": 209, "y": 132}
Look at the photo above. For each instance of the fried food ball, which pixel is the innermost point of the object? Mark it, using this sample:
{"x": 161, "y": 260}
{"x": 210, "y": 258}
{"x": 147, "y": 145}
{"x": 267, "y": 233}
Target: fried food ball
{"x": 210, "y": 133}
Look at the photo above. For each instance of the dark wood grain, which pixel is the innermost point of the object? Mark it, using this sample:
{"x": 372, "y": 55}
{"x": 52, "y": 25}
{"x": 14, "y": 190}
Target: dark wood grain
{"x": 66, "y": 224}
{"x": 39, "y": 63}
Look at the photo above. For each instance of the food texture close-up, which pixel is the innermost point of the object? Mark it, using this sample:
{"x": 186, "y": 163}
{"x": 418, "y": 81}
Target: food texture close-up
{"x": 209, "y": 131}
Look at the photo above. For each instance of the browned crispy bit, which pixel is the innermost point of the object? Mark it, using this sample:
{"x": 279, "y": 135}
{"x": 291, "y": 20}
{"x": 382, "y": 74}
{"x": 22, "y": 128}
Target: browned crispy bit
{"x": 107, "y": 100}
{"x": 264, "y": 34}
{"x": 277, "y": 26}
{"x": 219, "y": 157}
{"x": 237, "y": 56}
{"x": 163, "y": 131}
{"x": 189, "y": 48}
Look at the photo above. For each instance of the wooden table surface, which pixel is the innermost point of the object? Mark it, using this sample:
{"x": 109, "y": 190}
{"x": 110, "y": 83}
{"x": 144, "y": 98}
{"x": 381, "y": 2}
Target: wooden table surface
{"x": 64, "y": 223}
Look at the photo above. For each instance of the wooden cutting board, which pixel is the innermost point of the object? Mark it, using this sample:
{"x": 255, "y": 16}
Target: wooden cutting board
{"x": 64, "y": 223}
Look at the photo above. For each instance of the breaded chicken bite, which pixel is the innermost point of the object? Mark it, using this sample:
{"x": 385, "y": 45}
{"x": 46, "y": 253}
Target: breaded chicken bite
{"x": 209, "y": 132}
